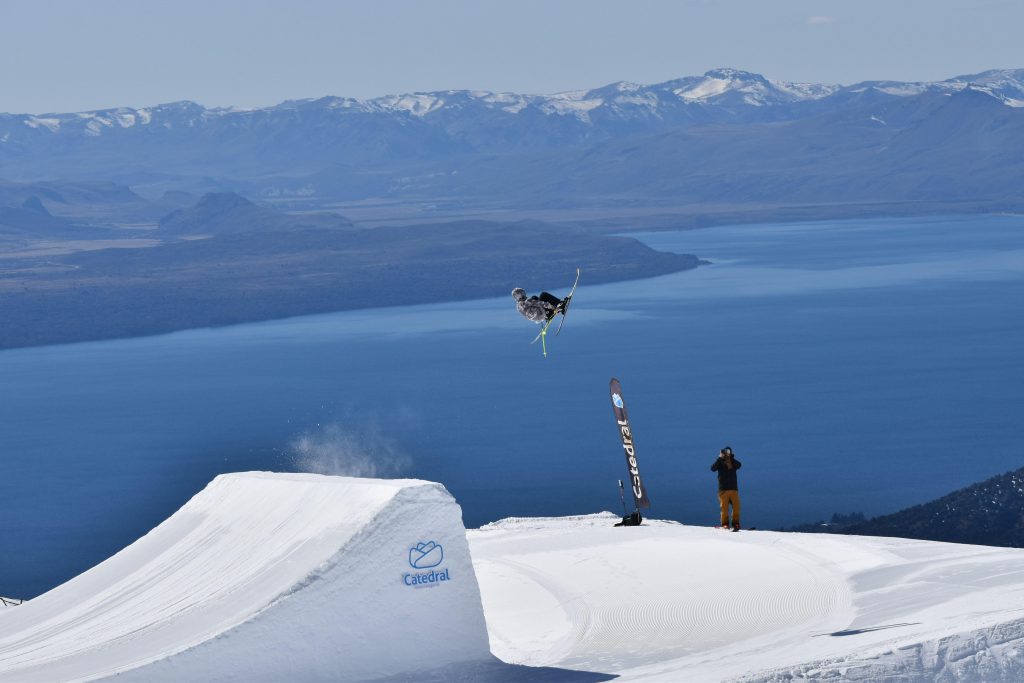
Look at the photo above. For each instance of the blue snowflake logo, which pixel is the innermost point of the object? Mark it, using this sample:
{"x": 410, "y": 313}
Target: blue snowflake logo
{"x": 426, "y": 555}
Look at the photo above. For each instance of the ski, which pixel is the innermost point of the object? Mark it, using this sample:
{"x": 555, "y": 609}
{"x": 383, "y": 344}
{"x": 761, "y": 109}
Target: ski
{"x": 566, "y": 301}
{"x": 542, "y": 335}
{"x": 543, "y": 330}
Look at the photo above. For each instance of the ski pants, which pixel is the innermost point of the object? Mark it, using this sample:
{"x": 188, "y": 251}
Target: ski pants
{"x": 549, "y": 298}
{"x": 725, "y": 498}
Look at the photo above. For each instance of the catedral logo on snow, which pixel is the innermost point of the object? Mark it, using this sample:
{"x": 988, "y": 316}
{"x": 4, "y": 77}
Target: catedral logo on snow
{"x": 426, "y": 555}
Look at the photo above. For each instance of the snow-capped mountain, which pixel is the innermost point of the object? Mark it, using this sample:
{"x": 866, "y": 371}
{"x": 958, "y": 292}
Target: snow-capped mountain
{"x": 96, "y": 123}
{"x": 734, "y": 87}
{"x": 622, "y": 137}
{"x": 718, "y": 88}
{"x": 406, "y": 126}
{"x": 1005, "y": 85}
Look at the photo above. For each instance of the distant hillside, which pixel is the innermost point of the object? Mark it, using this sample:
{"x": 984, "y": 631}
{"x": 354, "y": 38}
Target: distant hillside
{"x": 67, "y": 193}
{"x": 226, "y": 213}
{"x": 989, "y": 513}
{"x": 262, "y": 275}
{"x": 29, "y": 218}
{"x": 67, "y": 208}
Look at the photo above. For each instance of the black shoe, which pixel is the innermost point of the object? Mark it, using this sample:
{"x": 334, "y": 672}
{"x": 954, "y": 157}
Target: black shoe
{"x": 735, "y": 527}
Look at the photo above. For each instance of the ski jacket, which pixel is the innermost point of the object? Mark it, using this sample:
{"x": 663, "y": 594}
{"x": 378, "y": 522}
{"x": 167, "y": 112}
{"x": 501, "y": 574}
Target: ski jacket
{"x": 726, "y": 476}
{"x": 533, "y": 308}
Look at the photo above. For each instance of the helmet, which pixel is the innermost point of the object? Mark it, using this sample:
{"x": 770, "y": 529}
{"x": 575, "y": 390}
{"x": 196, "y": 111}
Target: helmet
{"x": 518, "y": 293}
{"x": 727, "y": 450}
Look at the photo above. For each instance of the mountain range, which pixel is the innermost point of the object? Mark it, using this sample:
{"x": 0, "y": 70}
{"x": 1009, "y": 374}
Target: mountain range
{"x": 464, "y": 116}
{"x": 726, "y": 136}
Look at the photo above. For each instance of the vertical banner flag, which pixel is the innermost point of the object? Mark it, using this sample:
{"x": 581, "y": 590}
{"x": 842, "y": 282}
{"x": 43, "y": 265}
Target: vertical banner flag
{"x": 626, "y": 433}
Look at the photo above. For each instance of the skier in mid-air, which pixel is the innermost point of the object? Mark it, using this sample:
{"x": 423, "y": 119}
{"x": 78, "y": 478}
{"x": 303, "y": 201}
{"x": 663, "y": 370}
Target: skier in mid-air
{"x": 540, "y": 308}
{"x": 543, "y": 308}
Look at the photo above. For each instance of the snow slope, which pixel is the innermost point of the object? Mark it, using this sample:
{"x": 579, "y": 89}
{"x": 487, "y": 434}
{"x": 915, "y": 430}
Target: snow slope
{"x": 666, "y": 602}
{"x": 267, "y": 577}
{"x": 298, "y": 577}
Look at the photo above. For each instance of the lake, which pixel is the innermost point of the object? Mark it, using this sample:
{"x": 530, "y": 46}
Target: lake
{"x": 852, "y": 366}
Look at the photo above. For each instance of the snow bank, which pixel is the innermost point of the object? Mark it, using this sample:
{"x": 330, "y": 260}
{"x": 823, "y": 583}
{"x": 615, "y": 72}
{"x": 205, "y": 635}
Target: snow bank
{"x": 668, "y": 602}
{"x": 990, "y": 654}
{"x": 267, "y": 577}
{"x": 271, "y": 577}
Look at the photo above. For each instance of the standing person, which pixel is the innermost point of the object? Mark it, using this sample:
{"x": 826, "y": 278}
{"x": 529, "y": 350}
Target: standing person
{"x": 728, "y": 492}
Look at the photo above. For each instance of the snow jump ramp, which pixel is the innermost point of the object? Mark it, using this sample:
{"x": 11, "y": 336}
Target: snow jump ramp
{"x": 267, "y": 577}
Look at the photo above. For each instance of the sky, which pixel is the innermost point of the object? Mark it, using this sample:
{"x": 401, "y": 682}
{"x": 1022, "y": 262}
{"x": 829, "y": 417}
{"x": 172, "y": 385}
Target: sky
{"x": 77, "y": 55}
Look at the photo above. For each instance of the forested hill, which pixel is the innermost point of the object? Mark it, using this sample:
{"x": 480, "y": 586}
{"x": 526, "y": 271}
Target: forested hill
{"x": 987, "y": 513}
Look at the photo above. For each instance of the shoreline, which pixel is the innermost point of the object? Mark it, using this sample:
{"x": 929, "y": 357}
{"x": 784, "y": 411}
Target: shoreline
{"x": 221, "y": 299}
{"x": 229, "y": 280}
{"x": 298, "y": 316}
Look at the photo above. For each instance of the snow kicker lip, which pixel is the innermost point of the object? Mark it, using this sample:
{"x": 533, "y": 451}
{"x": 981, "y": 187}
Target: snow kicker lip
{"x": 266, "y": 576}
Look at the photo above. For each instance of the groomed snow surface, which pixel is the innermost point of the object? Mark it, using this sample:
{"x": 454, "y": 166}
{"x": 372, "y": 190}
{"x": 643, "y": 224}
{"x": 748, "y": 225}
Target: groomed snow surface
{"x": 667, "y": 602}
{"x": 275, "y": 577}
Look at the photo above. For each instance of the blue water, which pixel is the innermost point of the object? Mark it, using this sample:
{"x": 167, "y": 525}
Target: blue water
{"x": 853, "y": 366}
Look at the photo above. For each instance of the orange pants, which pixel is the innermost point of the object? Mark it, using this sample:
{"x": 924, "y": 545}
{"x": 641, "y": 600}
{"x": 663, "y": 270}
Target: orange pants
{"x": 725, "y": 498}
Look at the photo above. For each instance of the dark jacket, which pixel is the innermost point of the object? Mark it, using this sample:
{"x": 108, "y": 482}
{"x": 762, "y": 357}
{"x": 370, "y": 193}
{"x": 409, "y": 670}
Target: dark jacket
{"x": 536, "y": 308}
{"x": 726, "y": 476}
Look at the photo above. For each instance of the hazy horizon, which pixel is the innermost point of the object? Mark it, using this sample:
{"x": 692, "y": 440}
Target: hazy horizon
{"x": 229, "y": 53}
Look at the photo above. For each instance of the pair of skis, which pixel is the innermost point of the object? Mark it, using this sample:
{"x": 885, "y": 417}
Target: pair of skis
{"x": 547, "y": 323}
